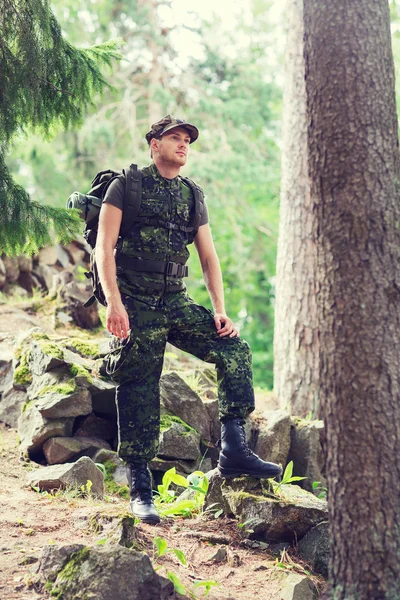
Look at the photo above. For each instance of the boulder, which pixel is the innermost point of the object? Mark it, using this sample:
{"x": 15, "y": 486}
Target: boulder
{"x": 183, "y": 467}
{"x": 74, "y": 297}
{"x": 46, "y": 275}
{"x": 315, "y": 548}
{"x": 273, "y": 436}
{"x": 286, "y": 515}
{"x": 45, "y": 356}
{"x": 94, "y": 426}
{"x": 306, "y": 452}
{"x": 179, "y": 442}
{"x": 103, "y": 397}
{"x": 178, "y": 398}
{"x": 2, "y": 274}
{"x": 54, "y": 405}
{"x": 64, "y": 449}
{"x": 54, "y": 255}
{"x": 296, "y": 587}
{"x": 211, "y": 406}
{"x": 25, "y": 264}
{"x": 6, "y": 368}
{"x": 116, "y": 529}
{"x": 68, "y": 475}
{"x": 11, "y": 404}
{"x": 12, "y": 268}
{"x": 34, "y": 429}
{"x": 103, "y": 573}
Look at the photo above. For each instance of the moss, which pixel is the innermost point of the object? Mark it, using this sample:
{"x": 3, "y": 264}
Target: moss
{"x": 242, "y": 495}
{"x": 52, "y": 350}
{"x": 84, "y": 348}
{"x": 167, "y": 420}
{"x": 59, "y": 388}
{"x": 79, "y": 371}
{"x": 68, "y": 573}
{"x": 22, "y": 374}
{"x": 27, "y": 405}
{"x": 110, "y": 486}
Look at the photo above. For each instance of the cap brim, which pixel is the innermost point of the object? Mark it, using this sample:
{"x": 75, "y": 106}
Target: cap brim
{"x": 193, "y": 131}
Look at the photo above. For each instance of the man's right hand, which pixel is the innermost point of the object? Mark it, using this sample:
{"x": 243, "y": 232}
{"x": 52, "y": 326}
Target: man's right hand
{"x": 117, "y": 320}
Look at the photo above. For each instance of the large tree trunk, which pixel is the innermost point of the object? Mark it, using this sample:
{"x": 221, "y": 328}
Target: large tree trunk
{"x": 354, "y": 175}
{"x": 296, "y": 332}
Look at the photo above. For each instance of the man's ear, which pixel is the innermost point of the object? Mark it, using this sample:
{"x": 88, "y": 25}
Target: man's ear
{"x": 153, "y": 146}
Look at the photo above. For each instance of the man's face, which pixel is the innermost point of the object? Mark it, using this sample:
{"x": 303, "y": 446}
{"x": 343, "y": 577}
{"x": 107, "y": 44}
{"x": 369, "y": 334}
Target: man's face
{"x": 173, "y": 147}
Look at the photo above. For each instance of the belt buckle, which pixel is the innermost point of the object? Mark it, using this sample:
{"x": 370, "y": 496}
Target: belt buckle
{"x": 172, "y": 269}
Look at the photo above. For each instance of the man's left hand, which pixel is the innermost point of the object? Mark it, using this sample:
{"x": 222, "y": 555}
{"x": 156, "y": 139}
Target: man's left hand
{"x": 225, "y": 326}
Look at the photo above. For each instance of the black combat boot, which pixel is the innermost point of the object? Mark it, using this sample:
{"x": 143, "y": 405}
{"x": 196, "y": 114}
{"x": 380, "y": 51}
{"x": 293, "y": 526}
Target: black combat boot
{"x": 141, "y": 504}
{"x": 236, "y": 458}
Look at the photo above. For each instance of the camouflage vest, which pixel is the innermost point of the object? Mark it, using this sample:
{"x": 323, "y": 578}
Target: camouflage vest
{"x": 158, "y": 236}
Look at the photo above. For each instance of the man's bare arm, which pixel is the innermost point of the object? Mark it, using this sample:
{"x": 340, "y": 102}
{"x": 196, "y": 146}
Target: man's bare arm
{"x": 107, "y": 236}
{"x": 204, "y": 244}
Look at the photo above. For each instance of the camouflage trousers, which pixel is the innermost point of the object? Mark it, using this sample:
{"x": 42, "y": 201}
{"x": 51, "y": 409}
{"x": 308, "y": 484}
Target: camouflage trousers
{"x": 135, "y": 364}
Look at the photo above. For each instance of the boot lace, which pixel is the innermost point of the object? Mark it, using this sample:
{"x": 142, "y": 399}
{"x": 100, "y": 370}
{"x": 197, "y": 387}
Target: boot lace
{"x": 141, "y": 483}
{"x": 246, "y": 448}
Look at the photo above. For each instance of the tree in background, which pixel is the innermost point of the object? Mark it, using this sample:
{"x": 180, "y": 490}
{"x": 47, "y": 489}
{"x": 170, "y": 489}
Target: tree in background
{"x": 354, "y": 182}
{"x": 45, "y": 83}
{"x": 296, "y": 344}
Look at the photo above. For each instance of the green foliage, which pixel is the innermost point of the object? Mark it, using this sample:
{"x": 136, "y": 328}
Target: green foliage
{"x": 197, "y": 485}
{"x": 287, "y": 478}
{"x": 108, "y": 469}
{"x": 46, "y": 84}
{"x": 319, "y": 490}
{"x": 22, "y": 374}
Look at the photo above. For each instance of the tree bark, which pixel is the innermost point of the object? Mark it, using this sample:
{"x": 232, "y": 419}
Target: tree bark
{"x": 296, "y": 330}
{"x": 354, "y": 176}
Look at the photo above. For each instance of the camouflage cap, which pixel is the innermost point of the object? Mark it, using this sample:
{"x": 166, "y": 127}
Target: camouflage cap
{"x": 166, "y": 124}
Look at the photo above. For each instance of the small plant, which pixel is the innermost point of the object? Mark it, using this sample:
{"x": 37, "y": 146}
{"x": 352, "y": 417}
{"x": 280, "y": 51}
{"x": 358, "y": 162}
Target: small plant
{"x": 248, "y": 522}
{"x": 286, "y": 479}
{"x": 319, "y": 490}
{"x": 196, "y": 482}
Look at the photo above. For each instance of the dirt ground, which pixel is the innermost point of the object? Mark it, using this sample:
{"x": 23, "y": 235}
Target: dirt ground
{"x": 29, "y": 521}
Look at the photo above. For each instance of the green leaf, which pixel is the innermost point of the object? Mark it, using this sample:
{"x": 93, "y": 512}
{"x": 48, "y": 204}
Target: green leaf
{"x": 315, "y": 484}
{"x": 218, "y": 513}
{"x": 288, "y": 472}
{"x": 179, "y": 480}
{"x": 179, "y": 508}
{"x": 296, "y": 479}
{"x": 167, "y": 478}
{"x": 180, "y": 555}
{"x": 101, "y": 542}
{"x": 178, "y": 585}
{"x": 161, "y": 546}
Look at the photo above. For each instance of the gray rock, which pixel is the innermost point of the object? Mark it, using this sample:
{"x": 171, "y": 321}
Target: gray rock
{"x": 12, "y": 268}
{"x": 179, "y": 443}
{"x": 183, "y": 467}
{"x": 34, "y": 429}
{"x": 273, "y": 439}
{"x": 62, "y": 449}
{"x": 2, "y": 274}
{"x": 277, "y": 519}
{"x": 94, "y": 426}
{"x": 297, "y": 587}
{"x": 181, "y": 400}
{"x": 25, "y": 264}
{"x": 54, "y": 405}
{"x": 116, "y": 529}
{"x": 103, "y": 397}
{"x": 102, "y": 456}
{"x": 213, "y": 415}
{"x": 74, "y": 296}
{"x": 11, "y": 403}
{"x": 46, "y": 275}
{"x": 49, "y": 379}
{"x": 54, "y": 255}
{"x": 315, "y": 548}
{"x": 41, "y": 360}
{"x": 68, "y": 475}
{"x": 306, "y": 452}
{"x": 104, "y": 573}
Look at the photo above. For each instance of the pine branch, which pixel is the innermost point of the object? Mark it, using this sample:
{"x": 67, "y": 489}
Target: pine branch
{"x": 25, "y": 225}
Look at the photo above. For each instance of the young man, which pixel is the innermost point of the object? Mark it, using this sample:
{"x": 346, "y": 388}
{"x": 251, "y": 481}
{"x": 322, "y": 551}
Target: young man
{"x": 147, "y": 305}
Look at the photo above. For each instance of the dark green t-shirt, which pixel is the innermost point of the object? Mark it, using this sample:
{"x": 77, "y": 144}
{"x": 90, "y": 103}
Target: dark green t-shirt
{"x": 115, "y": 195}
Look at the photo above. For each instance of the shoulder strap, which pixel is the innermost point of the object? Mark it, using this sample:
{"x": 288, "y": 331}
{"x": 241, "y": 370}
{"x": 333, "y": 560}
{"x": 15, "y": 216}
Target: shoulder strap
{"x": 198, "y": 195}
{"x": 132, "y": 199}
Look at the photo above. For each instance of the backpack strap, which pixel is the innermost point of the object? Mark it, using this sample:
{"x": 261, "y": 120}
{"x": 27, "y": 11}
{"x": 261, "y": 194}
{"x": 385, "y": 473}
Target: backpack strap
{"x": 198, "y": 195}
{"x": 132, "y": 198}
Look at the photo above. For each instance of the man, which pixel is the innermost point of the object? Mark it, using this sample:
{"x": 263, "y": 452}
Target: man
{"x": 147, "y": 308}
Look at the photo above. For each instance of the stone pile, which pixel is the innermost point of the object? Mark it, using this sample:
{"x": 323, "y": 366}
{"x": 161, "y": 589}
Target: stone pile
{"x": 57, "y": 272}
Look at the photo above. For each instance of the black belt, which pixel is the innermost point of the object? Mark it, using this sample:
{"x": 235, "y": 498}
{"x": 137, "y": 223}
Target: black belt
{"x": 173, "y": 269}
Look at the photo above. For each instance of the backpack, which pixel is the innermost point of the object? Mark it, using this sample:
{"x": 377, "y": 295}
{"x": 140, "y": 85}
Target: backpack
{"x": 90, "y": 204}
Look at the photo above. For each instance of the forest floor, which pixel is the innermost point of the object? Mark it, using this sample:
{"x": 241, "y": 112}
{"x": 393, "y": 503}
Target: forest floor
{"x": 29, "y": 521}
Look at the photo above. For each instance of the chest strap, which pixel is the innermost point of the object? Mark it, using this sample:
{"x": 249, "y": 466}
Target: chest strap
{"x": 173, "y": 269}
{"x": 162, "y": 223}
